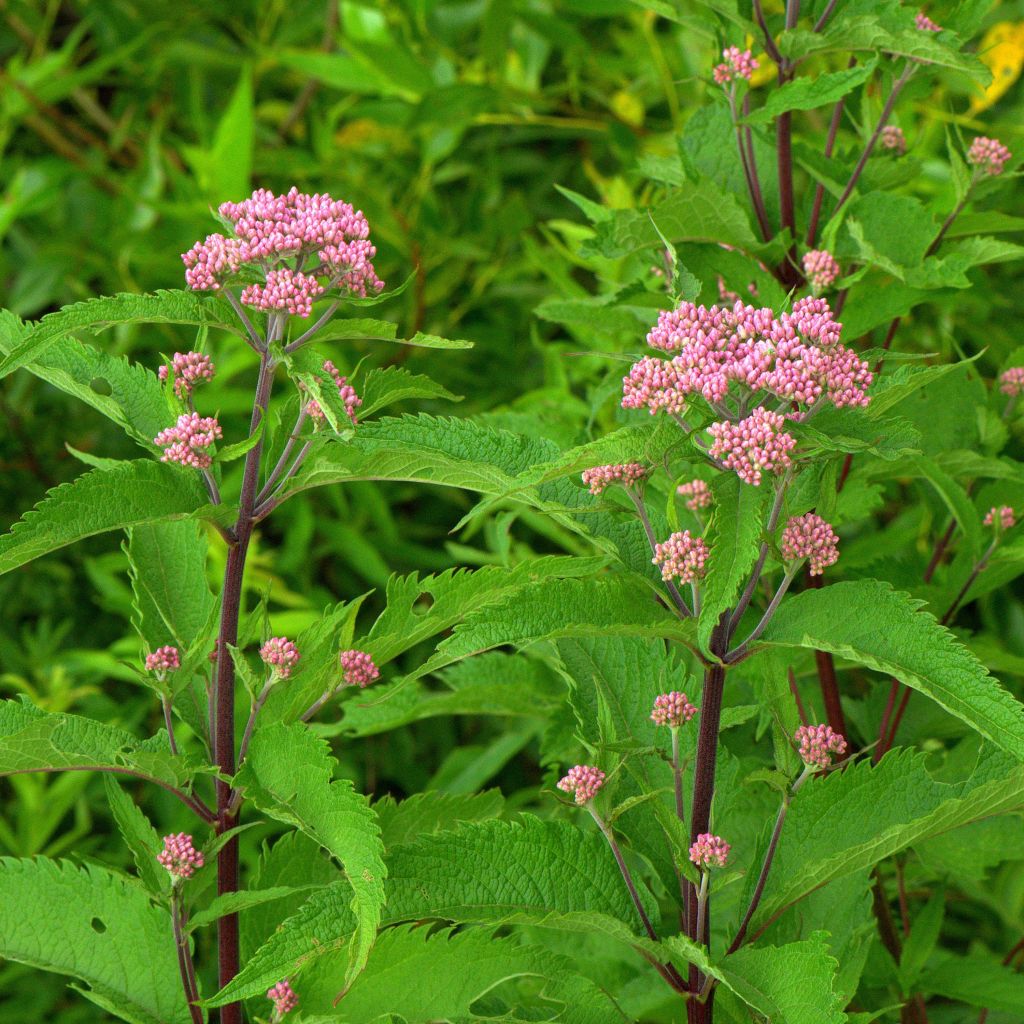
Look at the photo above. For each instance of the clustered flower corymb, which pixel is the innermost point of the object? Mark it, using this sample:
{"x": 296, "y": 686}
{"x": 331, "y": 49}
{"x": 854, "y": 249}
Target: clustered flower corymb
{"x": 346, "y": 393}
{"x": 672, "y": 709}
{"x": 281, "y": 655}
{"x": 189, "y": 441}
{"x": 179, "y": 856}
{"x": 303, "y": 245}
{"x": 163, "y": 660}
{"x": 818, "y": 743}
{"x": 582, "y": 782}
{"x": 892, "y": 138}
{"x": 283, "y": 996}
{"x": 736, "y": 63}
{"x": 809, "y": 536}
{"x": 1011, "y": 381}
{"x": 697, "y": 493}
{"x": 709, "y": 851}
{"x": 682, "y": 557}
{"x": 187, "y": 369}
{"x": 357, "y": 669}
{"x": 820, "y": 268}
{"x": 741, "y": 360}
{"x": 1002, "y": 517}
{"x": 925, "y": 24}
{"x": 598, "y": 478}
{"x": 988, "y": 155}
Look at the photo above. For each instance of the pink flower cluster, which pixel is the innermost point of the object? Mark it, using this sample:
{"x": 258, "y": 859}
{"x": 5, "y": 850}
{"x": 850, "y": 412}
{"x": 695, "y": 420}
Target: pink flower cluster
{"x": 736, "y": 63}
{"x": 681, "y": 557}
{"x": 189, "y": 441}
{"x": 346, "y": 393}
{"x": 280, "y": 653}
{"x": 283, "y": 996}
{"x": 1011, "y": 382}
{"x": 583, "y": 781}
{"x": 189, "y": 369}
{"x": 698, "y": 492}
{"x": 809, "y": 536}
{"x": 625, "y": 473}
{"x": 709, "y": 851}
{"x": 285, "y": 289}
{"x": 820, "y": 268}
{"x": 358, "y": 669}
{"x": 179, "y": 856}
{"x": 893, "y": 138}
{"x": 925, "y": 24}
{"x": 268, "y": 229}
{"x": 990, "y": 155}
{"x": 1003, "y": 515}
{"x": 162, "y": 660}
{"x": 818, "y": 743}
{"x": 672, "y": 709}
{"x": 794, "y": 357}
{"x": 753, "y": 446}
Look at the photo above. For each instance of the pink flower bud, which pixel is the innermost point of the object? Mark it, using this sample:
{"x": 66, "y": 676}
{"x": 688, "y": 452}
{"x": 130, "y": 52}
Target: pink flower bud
{"x": 990, "y": 155}
{"x": 736, "y": 63}
{"x": 284, "y": 999}
{"x": 600, "y": 477}
{"x": 1011, "y": 382}
{"x": 189, "y": 369}
{"x": 893, "y": 138}
{"x": 698, "y": 492}
{"x": 681, "y": 557}
{"x": 179, "y": 856}
{"x": 809, "y": 536}
{"x": 358, "y": 669}
{"x": 673, "y": 709}
{"x": 1003, "y": 516}
{"x": 583, "y": 781}
{"x": 709, "y": 851}
{"x": 820, "y": 268}
{"x": 280, "y": 653}
{"x": 925, "y": 24}
{"x": 163, "y": 660}
{"x": 818, "y": 743}
{"x": 189, "y": 441}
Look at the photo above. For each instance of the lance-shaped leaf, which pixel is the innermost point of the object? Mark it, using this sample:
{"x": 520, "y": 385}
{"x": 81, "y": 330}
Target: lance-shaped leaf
{"x": 97, "y": 927}
{"x": 872, "y": 624}
{"x": 102, "y": 500}
{"x": 287, "y": 774}
{"x": 163, "y": 307}
{"x": 811, "y": 91}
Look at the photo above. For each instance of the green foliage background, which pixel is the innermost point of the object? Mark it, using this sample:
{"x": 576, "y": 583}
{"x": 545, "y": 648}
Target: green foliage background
{"x": 457, "y": 127}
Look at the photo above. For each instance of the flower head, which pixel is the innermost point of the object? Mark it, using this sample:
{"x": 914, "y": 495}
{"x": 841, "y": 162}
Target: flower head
{"x": 163, "y": 660}
{"x": 925, "y": 24}
{"x": 753, "y": 446}
{"x": 188, "y": 369}
{"x": 189, "y": 441}
{"x": 625, "y": 473}
{"x": 821, "y": 268}
{"x": 1002, "y": 517}
{"x": 179, "y": 856}
{"x": 990, "y": 155}
{"x": 818, "y": 743}
{"x": 736, "y": 63}
{"x": 681, "y": 557}
{"x": 346, "y": 393}
{"x": 284, "y": 999}
{"x": 271, "y": 231}
{"x": 1011, "y": 381}
{"x": 583, "y": 781}
{"x": 358, "y": 669}
{"x": 809, "y": 536}
{"x": 698, "y": 493}
{"x": 709, "y": 851}
{"x": 673, "y": 709}
{"x": 893, "y": 138}
{"x": 280, "y": 653}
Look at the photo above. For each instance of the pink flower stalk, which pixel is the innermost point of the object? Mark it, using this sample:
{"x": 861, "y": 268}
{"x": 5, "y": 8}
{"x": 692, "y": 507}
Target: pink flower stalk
{"x": 1011, "y": 382}
{"x": 672, "y": 709}
{"x": 189, "y": 369}
{"x": 346, "y": 393}
{"x": 583, "y": 781}
{"x": 681, "y": 557}
{"x": 179, "y": 856}
{"x": 285, "y": 289}
{"x": 809, "y": 536}
{"x": 281, "y": 654}
{"x": 736, "y": 63}
{"x": 316, "y": 231}
{"x": 893, "y": 138}
{"x": 753, "y": 446}
{"x": 283, "y": 996}
{"x": 709, "y": 851}
{"x": 990, "y": 155}
{"x": 163, "y": 660}
{"x": 1003, "y": 515}
{"x": 189, "y": 441}
{"x": 795, "y": 357}
{"x": 698, "y": 492}
{"x": 818, "y": 743}
{"x": 358, "y": 669}
{"x": 625, "y": 473}
{"x": 925, "y": 24}
{"x": 820, "y": 268}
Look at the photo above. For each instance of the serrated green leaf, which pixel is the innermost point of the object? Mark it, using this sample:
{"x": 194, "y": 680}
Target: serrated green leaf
{"x": 872, "y": 624}
{"x": 245, "y": 899}
{"x": 95, "y": 926}
{"x": 383, "y": 387}
{"x": 287, "y": 774}
{"x": 920, "y": 943}
{"x": 162, "y": 307}
{"x": 977, "y": 980}
{"x": 139, "y": 836}
{"x": 810, "y": 92}
{"x": 136, "y": 493}
{"x": 425, "y": 813}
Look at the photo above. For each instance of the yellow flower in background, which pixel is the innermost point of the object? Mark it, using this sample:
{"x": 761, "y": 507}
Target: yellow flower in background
{"x": 1002, "y": 50}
